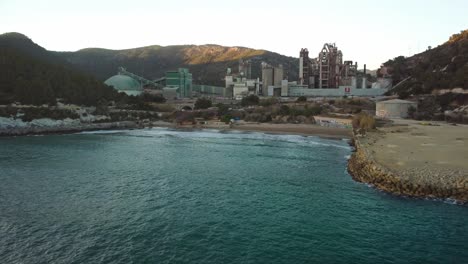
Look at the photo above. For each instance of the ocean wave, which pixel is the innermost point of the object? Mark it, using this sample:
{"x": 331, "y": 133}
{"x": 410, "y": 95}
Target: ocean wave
{"x": 197, "y": 134}
{"x": 97, "y": 132}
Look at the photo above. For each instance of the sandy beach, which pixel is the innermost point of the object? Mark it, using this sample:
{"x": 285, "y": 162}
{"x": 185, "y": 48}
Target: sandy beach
{"x": 293, "y": 129}
{"x": 297, "y": 129}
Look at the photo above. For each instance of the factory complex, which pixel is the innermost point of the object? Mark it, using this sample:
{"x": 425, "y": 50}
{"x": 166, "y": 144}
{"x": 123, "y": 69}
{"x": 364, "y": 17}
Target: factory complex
{"x": 326, "y": 75}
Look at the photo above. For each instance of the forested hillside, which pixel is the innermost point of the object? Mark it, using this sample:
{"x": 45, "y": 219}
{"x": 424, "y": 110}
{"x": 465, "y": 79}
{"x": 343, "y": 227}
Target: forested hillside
{"x": 33, "y": 75}
{"x": 443, "y": 67}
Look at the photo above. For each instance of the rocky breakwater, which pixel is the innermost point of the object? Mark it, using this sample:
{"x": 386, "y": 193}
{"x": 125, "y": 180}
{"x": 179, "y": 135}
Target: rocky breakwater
{"x": 418, "y": 182}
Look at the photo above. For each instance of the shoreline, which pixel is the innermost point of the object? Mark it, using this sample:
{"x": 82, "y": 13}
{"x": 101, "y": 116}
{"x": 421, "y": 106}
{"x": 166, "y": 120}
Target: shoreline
{"x": 54, "y": 130}
{"x": 281, "y": 129}
{"x": 363, "y": 165}
{"x": 298, "y": 129}
{"x": 271, "y": 128}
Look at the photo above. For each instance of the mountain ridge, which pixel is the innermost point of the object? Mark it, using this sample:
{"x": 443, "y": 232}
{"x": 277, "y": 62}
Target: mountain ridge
{"x": 208, "y": 62}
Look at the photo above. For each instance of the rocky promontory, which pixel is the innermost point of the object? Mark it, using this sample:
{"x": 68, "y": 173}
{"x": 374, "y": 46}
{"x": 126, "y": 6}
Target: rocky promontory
{"x": 47, "y": 126}
{"x": 411, "y": 165}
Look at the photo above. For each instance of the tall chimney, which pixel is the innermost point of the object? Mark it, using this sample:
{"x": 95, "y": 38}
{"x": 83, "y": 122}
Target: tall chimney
{"x": 364, "y": 81}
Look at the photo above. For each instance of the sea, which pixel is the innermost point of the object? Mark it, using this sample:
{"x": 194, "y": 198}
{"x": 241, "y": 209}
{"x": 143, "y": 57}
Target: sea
{"x": 207, "y": 196}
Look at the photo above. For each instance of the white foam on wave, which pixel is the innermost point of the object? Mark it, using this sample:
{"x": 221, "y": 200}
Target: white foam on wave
{"x": 307, "y": 141}
{"x": 432, "y": 199}
{"x": 197, "y": 134}
{"x": 103, "y": 132}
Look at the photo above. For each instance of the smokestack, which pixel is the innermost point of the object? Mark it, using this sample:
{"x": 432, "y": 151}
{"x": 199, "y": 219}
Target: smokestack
{"x": 364, "y": 81}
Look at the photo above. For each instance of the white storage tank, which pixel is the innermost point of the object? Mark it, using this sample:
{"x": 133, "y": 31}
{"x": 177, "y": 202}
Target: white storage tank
{"x": 395, "y": 108}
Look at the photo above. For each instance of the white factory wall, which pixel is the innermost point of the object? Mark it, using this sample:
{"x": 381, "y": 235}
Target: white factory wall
{"x": 240, "y": 90}
{"x": 335, "y": 92}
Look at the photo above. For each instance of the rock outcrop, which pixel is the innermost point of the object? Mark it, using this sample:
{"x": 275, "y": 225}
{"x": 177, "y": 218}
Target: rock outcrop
{"x": 60, "y": 127}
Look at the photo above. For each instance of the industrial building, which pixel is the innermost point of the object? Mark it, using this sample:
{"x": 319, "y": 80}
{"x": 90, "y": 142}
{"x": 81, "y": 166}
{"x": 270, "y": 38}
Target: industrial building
{"x": 209, "y": 91}
{"x": 327, "y": 70}
{"x": 175, "y": 84}
{"x": 181, "y": 80}
{"x": 125, "y": 84}
{"x": 328, "y": 75}
{"x": 245, "y": 68}
{"x": 240, "y": 84}
{"x": 272, "y": 78}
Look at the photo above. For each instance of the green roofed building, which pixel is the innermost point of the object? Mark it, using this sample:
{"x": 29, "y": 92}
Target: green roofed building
{"x": 181, "y": 79}
{"x": 125, "y": 84}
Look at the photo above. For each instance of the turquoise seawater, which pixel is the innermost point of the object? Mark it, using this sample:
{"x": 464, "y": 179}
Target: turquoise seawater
{"x": 163, "y": 196}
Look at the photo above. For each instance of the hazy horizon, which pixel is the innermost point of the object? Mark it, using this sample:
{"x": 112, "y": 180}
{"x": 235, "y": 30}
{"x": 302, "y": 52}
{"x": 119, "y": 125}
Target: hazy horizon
{"x": 367, "y": 32}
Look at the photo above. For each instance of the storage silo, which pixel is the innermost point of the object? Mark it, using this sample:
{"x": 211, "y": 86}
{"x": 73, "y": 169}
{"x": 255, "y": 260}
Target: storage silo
{"x": 395, "y": 108}
{"x": 125, "y": 84}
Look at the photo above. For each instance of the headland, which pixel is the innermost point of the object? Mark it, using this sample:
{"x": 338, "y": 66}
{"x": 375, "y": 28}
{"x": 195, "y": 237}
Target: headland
{"x": 414, "y": 158}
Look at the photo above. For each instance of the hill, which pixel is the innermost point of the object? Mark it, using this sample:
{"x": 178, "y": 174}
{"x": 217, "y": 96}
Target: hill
{"x": 33, "y": 75}
{"x": 443, "y": 67}
{"x": 207, "y": 63}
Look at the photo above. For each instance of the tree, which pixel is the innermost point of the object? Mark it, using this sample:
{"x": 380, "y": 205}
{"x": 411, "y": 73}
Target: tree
{"x": 222, "y": 109}
{"x": 284, "y": 110}
{"x": 37, "y": 80}
{"x": 156, "y": 98}
{"x": 250, "y": 100}
{"x": 301, "y": 99}
{"x": 203, "y": 103}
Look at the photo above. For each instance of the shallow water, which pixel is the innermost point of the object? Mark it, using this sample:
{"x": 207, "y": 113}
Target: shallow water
{"x": 163, "y": 196}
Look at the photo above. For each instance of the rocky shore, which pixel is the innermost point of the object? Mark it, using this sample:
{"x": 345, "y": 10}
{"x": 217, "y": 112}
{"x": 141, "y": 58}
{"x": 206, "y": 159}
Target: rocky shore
{"x": 74, "y": 127}
{"x": 430, "y": 180}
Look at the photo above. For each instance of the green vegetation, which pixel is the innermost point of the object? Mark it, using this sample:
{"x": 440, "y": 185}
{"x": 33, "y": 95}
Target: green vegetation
{"x": 155, "y": 98}
{"x": 123, "y": 115}
{"x": 443, "y": 67}
{"x": 411, "y": 111}
{"x": 440, "y": 107}
{"x": 306, "y": 111}
{"x": 28, "y": 114}
{"x": 250, "y": 100}
{"x": 222, "y": 109}
{"x": 203, "y": 103}
{"x": 301, "y": 99}
{"x": 269, "y": 101}
{"x": 226, "y": 118}
{"x": 32, "y": 76}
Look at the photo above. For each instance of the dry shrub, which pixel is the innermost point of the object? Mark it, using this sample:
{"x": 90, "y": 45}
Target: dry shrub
{"x": 164, "y": 108}
{"x": 363, "y": 121}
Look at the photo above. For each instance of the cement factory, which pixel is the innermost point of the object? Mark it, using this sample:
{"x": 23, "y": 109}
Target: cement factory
{"x": 326, "y": 75}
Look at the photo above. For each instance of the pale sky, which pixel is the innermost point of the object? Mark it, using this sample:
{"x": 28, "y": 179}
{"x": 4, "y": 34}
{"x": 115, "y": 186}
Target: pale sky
{"x": 369, "y": 32}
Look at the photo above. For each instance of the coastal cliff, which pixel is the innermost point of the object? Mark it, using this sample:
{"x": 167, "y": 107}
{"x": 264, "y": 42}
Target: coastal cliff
{"x": 364, "y": 168}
